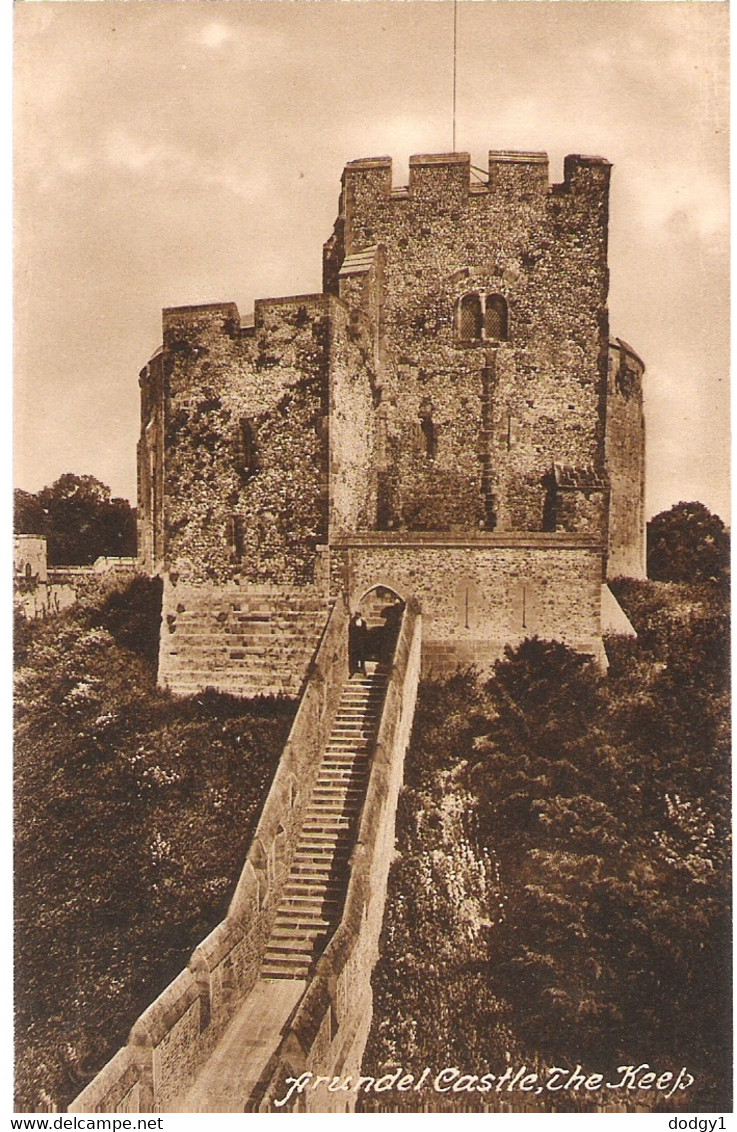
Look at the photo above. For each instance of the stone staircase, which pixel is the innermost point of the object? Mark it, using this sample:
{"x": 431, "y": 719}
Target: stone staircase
{"x": 246, "y": 643}
{"x": 313, "y": 898}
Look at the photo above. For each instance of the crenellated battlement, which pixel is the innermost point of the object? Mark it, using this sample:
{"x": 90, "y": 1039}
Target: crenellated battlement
{"x": 203, "y": 320}
{"x": 208, "y": 319}
{"x": 433, "y": 173}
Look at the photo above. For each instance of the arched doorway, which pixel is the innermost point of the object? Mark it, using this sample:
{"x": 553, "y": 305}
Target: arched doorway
{"x": 382, "y": 608}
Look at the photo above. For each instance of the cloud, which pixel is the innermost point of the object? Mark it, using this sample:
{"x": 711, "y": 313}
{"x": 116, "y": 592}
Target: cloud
{"x": 215, "y": 34}
{"x": 125, "y": 152}
{"x": 681, "y": 198}
{"x": 172, "y": 164}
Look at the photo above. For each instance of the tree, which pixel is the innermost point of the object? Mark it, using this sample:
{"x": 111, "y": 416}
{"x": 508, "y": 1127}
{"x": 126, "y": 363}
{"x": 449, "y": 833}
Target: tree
{"x": 80, "y": 520}
{"x": 687, "y": 544}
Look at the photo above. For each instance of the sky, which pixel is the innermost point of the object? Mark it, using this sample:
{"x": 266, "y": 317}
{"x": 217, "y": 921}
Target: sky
{"x": 184, "y": 151}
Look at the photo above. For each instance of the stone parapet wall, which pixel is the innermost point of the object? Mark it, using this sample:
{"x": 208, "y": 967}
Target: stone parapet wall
{"x": 328, "y": 1033}
{"x": 481, "y": 594}
{"x": 43, "y": 600}
{"x": 175, "y": 1035}
{"x": 243, "y": 640}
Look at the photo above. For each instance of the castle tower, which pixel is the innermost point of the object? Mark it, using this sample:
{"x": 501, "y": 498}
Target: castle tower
{"x": 447, "y": 420}
{"x": 493, "y": 332}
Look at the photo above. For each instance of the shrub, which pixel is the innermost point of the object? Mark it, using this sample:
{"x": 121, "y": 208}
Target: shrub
{"x": 134, "y": 812}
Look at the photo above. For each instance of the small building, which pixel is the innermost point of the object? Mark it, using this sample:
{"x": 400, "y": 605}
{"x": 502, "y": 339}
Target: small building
{"x": 36, "y": 593}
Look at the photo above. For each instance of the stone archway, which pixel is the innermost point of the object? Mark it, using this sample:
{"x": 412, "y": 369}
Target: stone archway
{"x": 381, "y": 606}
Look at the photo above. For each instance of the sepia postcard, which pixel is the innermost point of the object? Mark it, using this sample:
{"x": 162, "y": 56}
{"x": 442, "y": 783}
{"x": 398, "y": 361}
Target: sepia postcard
{"x": 371, "y": 559}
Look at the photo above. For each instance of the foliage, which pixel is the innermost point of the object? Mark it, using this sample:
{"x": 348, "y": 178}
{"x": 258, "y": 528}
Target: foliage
{"x": 593, "y": 851}
{"x": 444, "y": 899}
{"x": 687, "y": 544}
{"x": 133, "y": 818}
{"x": 80, "y": 520}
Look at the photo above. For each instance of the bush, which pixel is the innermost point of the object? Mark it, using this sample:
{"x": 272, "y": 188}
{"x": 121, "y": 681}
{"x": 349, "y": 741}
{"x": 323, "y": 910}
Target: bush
{"x": 134, "y": 813}
{"x": 564, "y": 844}
{"x": 687, "y": 544}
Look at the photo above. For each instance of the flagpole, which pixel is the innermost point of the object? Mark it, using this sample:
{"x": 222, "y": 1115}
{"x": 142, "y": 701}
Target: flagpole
{"x": 455, "y": 54}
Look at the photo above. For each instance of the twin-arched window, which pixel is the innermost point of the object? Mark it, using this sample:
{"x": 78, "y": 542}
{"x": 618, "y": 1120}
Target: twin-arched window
{"x": 480, "y": 316}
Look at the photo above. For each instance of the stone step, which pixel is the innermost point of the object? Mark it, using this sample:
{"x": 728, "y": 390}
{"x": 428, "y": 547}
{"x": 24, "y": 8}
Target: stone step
{"x": 273, "y": 973}
{"x": 287, "y": 933}
{"x": 300, "y": 887}
{"x": 261, "y": 612}
{"x": 293, "y": 941}
{"x": 353, "y": 712}
{"x": 335, "y": 878}
{"x": 317, "y": 838}
{"x": 322, "y": 905}
{"x": 318, "y": 852}
{"x": 255, "y": 676}
{"x": 327, "y": 809}
{"x": 329, "y": 826}
{"x": 302, "y": 919}
{"x": 316, "y": 843}
{"x": 343, "y": 771}
{"x": 339, "y": 744}
{"x": 341, "y": 795}
{"x": 337, "y": 792}
{"x": 331, "y": 864}
{"x": 312, "y": 873}
{"x": 321, "y": 818}
{"x": 359, "y": 725}
{"x": 362, "y": 695}
{"x": 335, "y": 856}
{"x": 209, "y": 635}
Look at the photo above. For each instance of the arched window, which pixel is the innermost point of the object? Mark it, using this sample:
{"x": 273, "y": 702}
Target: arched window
{"x": 470, "y": 320}
{"x": 495, "y": 324}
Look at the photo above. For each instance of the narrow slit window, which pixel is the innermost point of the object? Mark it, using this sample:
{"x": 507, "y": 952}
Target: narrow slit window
{"x": 237, "y": 536}
{"x": 245, "y": 448}
{"x": 430, "y": 436}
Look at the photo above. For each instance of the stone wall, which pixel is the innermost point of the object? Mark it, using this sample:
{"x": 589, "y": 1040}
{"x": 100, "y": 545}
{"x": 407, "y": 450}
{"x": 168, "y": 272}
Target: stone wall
{"x": 175, "y": 1035}
{"x": 353, "y": 400}
{"x": 625, "y": 458}
{"x": 243, "y": 640}
{"x": 328, "y": 1033}
{"x": 41, "y": 591}
{"x": 150, "y": 459}
{"x": 476, "y": 418}
{"x": 479, "y": 594}
{"x": 240, "y": 486}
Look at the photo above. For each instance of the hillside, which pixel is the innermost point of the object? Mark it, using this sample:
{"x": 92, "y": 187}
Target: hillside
{"x": 561, "y": 893}
{"x": 133, "y": 816}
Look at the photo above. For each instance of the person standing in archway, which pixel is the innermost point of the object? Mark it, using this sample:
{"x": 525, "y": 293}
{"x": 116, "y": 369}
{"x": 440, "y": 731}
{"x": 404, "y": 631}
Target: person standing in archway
{"x": 357, "y": 642}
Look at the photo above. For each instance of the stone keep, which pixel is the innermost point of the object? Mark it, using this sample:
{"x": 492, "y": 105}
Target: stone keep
{"x": 448, "y": 419}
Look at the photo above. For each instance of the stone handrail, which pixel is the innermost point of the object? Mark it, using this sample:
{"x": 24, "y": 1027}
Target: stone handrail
{"x": 178, "y": 1031}
{"x": 328, "y": 1032}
